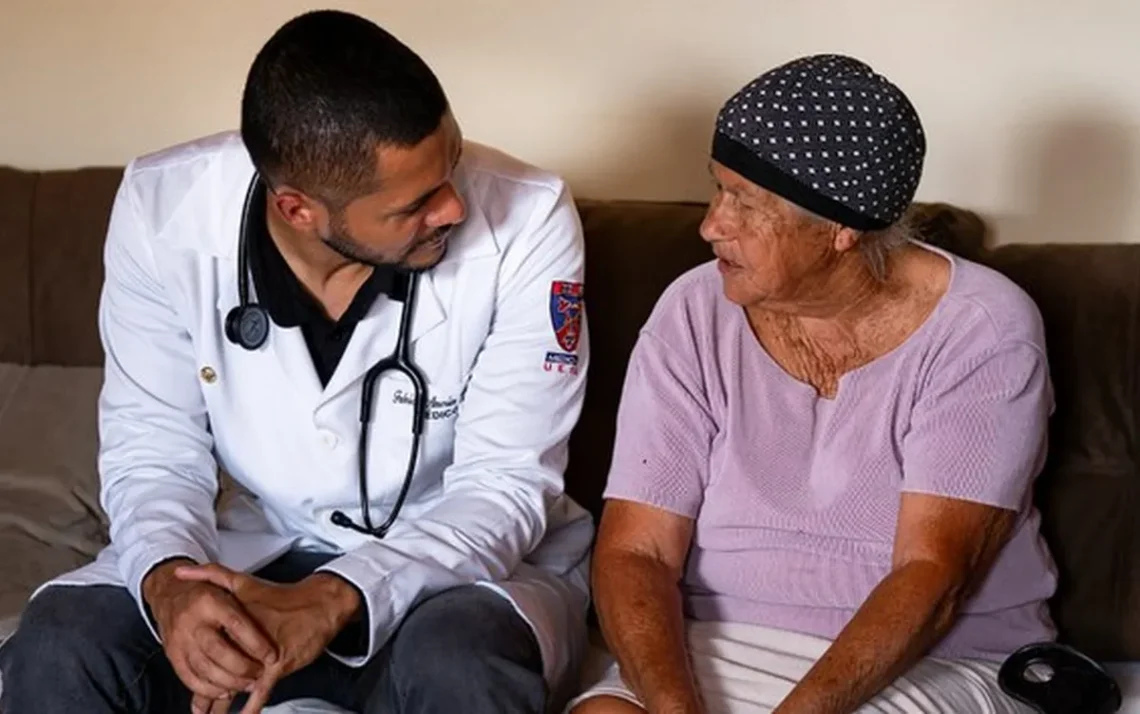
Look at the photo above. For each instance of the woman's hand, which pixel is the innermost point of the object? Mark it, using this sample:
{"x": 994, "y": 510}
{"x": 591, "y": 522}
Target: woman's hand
{"x": 943, "y": 550}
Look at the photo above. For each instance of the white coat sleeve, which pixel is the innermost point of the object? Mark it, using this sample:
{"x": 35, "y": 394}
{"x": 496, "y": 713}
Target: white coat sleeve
{"x": 158, "y": 478}
{"x": 511, "y": 442}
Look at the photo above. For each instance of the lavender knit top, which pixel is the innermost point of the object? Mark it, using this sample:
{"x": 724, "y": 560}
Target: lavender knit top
{"x": 795, "y": 496}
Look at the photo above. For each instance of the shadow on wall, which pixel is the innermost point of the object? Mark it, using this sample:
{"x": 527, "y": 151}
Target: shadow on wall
{"x": 1076, "y": 177}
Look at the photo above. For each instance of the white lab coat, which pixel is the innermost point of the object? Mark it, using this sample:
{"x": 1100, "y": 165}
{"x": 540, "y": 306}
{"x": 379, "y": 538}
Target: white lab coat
{"x": 181, "y": 402}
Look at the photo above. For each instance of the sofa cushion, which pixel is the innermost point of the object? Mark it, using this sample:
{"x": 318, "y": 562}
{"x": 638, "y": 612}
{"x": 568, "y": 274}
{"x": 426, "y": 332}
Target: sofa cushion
{"x": 17, "y": 189}
{"x": 10, "y": 377}
{"x": 50, "y": 520}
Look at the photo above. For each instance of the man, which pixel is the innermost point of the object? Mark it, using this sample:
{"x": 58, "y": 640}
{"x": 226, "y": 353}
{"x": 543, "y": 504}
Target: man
{"x": 330, "y": 576}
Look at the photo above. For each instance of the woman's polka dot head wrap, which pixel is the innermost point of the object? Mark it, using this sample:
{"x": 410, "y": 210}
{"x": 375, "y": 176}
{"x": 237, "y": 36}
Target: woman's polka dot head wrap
{"x": 828, "y": 134}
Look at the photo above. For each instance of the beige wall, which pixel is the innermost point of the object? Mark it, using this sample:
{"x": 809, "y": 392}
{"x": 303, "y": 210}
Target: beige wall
{"x": 1032, "y": 107}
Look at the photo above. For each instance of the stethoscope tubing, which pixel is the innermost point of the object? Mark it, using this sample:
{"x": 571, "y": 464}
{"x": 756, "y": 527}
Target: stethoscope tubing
{"x": 399, "y": 360}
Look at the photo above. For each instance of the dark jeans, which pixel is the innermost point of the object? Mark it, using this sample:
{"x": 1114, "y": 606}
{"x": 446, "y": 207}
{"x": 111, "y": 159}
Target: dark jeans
{"x": 87, "y": 649}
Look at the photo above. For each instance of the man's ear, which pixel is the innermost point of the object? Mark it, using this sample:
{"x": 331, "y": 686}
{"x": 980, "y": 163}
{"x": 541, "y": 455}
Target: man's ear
{"x": 297, "y": 208}
{"x": 846, "y": 239}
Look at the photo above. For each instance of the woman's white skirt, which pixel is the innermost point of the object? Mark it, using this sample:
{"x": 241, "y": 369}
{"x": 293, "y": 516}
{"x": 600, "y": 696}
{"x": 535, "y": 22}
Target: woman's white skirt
{"x": 748, "y": 669}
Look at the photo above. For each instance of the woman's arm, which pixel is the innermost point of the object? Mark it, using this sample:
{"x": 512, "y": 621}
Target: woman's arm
{"x": 943, "y": 549}
{"x": 976, "y": 441}
{"x": 637, "y": 566}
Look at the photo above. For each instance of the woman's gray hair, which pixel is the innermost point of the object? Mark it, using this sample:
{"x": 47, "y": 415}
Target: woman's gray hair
{"x": 875, "y": 246}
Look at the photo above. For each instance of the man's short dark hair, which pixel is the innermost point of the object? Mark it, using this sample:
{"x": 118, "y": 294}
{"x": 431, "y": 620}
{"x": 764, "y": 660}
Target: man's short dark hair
{"x": 328, "y": 88}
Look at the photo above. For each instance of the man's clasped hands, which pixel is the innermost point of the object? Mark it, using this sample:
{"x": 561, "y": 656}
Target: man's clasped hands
{"x": 227, "y": 632}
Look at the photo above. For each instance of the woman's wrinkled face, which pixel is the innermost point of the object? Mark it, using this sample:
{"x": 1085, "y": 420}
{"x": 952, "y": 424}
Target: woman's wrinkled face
{"x": 768, "y": 250}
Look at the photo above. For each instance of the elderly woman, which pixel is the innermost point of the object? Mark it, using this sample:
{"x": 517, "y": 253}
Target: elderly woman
{"x": 820, "y": 496}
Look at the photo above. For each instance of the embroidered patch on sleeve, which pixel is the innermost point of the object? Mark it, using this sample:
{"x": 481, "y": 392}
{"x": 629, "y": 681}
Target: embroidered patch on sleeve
{"x": 566, "y": 313}
{"x": 561, "y": 363}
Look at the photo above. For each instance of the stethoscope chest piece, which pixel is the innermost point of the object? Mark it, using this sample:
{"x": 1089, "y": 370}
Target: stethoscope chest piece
{"x": 1057, "y": 679}
{"x": 247, "y": 325}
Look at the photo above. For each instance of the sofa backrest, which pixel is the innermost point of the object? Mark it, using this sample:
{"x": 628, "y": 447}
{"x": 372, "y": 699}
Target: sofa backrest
{"x": 52, "y": 227}
{"x": 1089, "y": 491}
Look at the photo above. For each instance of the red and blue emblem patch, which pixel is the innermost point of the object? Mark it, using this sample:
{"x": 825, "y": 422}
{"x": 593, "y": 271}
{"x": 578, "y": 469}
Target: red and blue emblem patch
{"x": 566, "y": 313}
{"x": 566, "y": 319}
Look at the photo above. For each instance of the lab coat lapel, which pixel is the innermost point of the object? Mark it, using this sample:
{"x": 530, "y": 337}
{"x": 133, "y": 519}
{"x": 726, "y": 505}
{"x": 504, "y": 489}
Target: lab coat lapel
{"x": 284, "y": 350}
{"x": 374, "y": 337}
{"x": 292, "y": 355}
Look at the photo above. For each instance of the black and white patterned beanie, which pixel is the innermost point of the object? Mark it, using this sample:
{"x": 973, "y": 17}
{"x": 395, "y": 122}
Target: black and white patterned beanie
{"x": 828, "y": 134}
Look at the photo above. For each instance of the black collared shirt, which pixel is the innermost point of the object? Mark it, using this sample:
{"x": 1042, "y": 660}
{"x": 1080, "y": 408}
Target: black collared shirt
{"x": 290, "y": 305}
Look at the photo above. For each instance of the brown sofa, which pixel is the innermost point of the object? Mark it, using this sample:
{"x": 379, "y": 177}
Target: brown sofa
{"x": 51, "y": 231}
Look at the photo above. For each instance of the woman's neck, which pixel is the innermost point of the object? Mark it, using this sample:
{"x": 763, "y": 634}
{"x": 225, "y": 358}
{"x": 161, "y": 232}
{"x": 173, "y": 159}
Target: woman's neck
{"x": 837, "y": 325}
{"x": 839, "y": 299}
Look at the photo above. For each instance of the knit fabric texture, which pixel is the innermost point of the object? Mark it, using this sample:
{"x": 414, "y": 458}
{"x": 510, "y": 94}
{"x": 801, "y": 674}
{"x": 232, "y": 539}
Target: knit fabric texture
{"x": 829, "y": 134}
{"x": 796, "y": 497}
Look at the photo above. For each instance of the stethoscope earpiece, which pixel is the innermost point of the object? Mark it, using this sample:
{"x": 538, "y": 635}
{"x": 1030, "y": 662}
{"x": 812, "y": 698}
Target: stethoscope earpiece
{"x": 247, "y": 326}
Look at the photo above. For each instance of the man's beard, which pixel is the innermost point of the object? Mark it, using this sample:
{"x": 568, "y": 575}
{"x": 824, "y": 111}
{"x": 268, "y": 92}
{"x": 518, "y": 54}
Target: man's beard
{"x": 343, "y": 244}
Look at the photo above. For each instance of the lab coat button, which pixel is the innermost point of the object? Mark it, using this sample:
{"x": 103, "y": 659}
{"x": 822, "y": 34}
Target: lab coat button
{"x": 208, "y": 375}
{"x": 330, "y": 439}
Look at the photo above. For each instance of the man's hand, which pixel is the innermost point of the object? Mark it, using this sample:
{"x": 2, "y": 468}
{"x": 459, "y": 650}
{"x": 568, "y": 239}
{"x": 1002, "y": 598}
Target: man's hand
{"x": 215, "y": 647}
{"x": 301, "y": 619}
{"x": 205, "y": 705}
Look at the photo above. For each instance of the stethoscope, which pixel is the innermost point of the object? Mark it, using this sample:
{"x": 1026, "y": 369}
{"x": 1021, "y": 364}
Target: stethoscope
{"x": 247, "y": 325}
{"x": 1066, "y": 680}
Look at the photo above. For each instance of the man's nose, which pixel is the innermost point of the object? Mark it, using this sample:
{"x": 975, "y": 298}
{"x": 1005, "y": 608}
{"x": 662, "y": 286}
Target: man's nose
{"x": 450, "y": 208}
